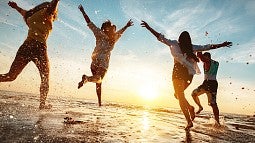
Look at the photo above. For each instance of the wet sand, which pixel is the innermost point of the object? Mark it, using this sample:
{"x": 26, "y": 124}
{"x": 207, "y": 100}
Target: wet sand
{"x": 21, "y": 121}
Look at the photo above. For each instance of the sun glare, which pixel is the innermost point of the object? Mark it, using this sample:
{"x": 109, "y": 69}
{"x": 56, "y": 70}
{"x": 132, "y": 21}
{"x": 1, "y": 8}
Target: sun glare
{"x": 148, "y": 92}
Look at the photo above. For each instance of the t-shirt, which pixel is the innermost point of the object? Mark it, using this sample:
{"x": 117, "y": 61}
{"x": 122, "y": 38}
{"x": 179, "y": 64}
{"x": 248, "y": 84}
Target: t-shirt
{"x": 40, "y": 25}
{"x": 104, "y": 45}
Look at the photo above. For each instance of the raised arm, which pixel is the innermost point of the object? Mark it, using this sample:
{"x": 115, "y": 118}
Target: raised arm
{"x": 146, "y": 25}
{"x": 201, "y": 57}
{"x": 86, "y": 17}
{"x": 53, "y": 6}
{"x": 198, "y": 48}
{"x": 129, "y": 23}
{"x": 15, "y": 6}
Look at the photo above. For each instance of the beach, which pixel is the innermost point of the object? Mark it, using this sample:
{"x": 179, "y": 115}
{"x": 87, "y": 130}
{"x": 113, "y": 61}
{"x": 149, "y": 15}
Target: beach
{"x": 22, "y": 121}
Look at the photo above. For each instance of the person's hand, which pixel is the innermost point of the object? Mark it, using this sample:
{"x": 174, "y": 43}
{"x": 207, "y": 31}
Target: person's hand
{"x": 227, "y": 44}
{"x": 81, "y": 8}
{"x": 145, "y": 24}
{"x": 12, "y": 4}
{"x": 130, "y": 23}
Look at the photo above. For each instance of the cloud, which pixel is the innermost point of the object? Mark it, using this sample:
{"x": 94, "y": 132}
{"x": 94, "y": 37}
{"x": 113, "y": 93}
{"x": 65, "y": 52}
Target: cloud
{"x": 75, "y": 29}
{"x": 239, "y": 53}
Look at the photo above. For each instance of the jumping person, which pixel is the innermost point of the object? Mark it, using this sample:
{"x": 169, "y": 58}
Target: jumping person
{"x": 39, "y": 21}
{"x": 106, "y": 37}
{"x": 185, "y": 66}
{"x": 210, "y": 84}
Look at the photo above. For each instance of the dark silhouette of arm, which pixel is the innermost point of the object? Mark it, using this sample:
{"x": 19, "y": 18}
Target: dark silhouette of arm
{"x": 146, "y": 25}
{"x": 86, "y": 17}
{"x": 19, "y": 9}
{"x": 201, "y": 57}
{"x": 53, "y": 6}
{"x": 122, "y": 30}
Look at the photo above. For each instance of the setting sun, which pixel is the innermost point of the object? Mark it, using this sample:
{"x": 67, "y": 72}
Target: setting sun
{"x": 148, "y": 92}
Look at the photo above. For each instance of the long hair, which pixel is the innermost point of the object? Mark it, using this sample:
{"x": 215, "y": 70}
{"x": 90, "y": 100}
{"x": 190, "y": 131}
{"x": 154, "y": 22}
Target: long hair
{"x": 186, "y": 45}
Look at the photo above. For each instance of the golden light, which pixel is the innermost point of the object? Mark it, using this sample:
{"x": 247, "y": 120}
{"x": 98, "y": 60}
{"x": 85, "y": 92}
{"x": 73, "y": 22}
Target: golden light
{"x": 148, "y": 92}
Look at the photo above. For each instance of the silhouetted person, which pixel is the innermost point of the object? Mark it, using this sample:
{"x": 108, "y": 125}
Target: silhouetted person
{"x": 39, "y": 21}
{"x": 185, "y": 66}
{"x": 210, "y": 84}
{"x": 106, "y": 37}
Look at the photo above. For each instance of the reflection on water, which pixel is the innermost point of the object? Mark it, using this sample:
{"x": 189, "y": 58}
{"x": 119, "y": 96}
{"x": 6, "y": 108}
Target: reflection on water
{"x": 145, "y": 121}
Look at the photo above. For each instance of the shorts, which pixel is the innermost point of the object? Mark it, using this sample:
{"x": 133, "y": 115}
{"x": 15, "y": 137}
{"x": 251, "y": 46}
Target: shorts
{"x": 97, "y": 69}
{"x": 180, "y": 72}
{"x": 33, "y": 50}
{"x": 210, "y": 88}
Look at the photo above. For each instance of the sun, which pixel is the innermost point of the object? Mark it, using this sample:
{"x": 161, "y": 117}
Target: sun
{"x": 148, "y": 92}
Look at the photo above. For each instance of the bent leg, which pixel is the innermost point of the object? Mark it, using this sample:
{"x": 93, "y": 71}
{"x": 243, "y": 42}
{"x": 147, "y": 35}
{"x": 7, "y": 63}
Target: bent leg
{"x": 197, "y": 92}
{"x": 98, "y": 72}
{"x": 16, "y": 68}
{"x": 97, "y": 75}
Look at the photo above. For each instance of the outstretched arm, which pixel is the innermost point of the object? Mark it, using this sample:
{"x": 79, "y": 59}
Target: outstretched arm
{"x": 53, "y": 6}
{"x": 224, "y": 44}
{"x": 198, "y": 48}
{"x": 129, "y": 23}
{"x": 146, "y": 25}
{"x": 86, "y": 17}
{"x": 15, "y": 6}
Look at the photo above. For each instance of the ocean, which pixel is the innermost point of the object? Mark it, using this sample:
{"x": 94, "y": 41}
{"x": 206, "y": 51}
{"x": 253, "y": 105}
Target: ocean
{"x": 22, "y": 121}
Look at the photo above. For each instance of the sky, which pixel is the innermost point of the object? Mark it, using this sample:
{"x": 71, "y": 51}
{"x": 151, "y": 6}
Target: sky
{"x": 140, "y": 66}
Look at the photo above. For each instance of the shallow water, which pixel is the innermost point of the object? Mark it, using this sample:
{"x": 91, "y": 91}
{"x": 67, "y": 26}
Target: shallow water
{"x": 21, "y": 121}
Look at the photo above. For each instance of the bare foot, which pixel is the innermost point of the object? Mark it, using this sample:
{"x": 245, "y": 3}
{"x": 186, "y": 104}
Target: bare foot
{"x": 217, "y": 125}
{"x": 83, "y": 81}
{"x": 190, "y": 125}
{"x": 80, "y": 84}
{"x": 192, "y": 112}
{"x": 199, "y": 110}
{"x": 41, "y": 107}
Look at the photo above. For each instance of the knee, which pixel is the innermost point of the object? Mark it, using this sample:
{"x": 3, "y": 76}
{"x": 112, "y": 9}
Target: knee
{"x": 194, "y": 93}
{"x": 179, "y": 95}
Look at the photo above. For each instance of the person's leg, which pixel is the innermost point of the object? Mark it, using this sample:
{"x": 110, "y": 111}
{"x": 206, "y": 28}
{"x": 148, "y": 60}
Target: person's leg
{"x": 98, "y": 73}
{"x": 20, "y": 61}
{"x": 191, "y": 109}
{"x": 42, "y": 63}
{"x": 197, "y": 92}
{"x": 212, "y": 102}
{"x": 216, "y": 113}
{"x": 99, "y": 90}
{"x": 213, "y": 87}
{"x": 179, "y": 91}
